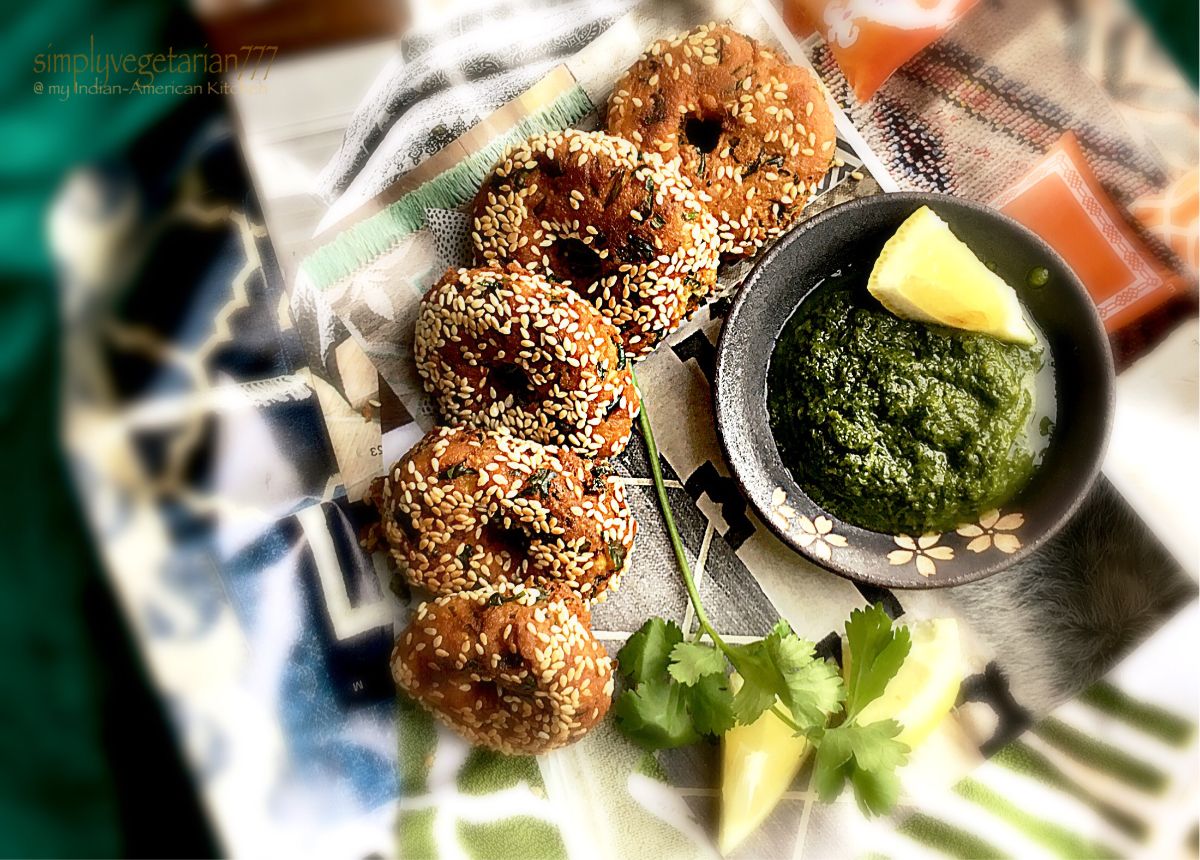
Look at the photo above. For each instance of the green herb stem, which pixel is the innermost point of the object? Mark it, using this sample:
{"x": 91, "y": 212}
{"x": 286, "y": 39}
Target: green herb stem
{"x": 660, "y": 489}
{"x": 787, "y": 720}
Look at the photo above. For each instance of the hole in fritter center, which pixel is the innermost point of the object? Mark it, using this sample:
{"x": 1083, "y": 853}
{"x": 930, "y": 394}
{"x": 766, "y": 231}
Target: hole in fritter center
{"x": 702, "y": 133}
{"x": 580, "y": 264}
{"x": 509, "y": 379}
{"x": 514, "y": 540}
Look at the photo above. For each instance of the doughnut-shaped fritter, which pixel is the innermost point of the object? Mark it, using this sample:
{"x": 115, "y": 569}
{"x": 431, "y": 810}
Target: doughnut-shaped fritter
{"x": 512, "y": 669}
{"x": 467, "y": 507}
{"x": 622, "y": 228}
{"x": 753, "y": 133}
{"x": 509, "y": 349}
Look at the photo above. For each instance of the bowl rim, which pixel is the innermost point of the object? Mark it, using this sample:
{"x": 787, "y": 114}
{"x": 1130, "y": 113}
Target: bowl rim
{"x": 724, "y": 357}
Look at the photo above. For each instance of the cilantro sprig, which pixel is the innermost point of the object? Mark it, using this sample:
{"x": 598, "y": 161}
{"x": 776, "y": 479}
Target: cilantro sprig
{"x": 678, "y": 691}
{"x": 866, "y": 755}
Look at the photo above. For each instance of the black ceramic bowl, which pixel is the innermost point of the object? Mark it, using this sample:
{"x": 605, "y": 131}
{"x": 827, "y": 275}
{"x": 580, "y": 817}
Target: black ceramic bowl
{"x": 1083, "y": 373}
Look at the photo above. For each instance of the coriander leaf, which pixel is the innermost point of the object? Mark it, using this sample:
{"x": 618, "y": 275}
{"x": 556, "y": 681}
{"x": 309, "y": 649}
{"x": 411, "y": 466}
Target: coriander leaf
{"x": 711, "y": 704}
{"x": 538, "y": 483}
{"x": 648, "y": 651}
{"x": 875, "y": 652}
{"x": 655, "y": 716}
{"x": 690, "y": 661}
{"x": 811, "y": 686}
{"x": 457, "y": 471}
{"x": 783, "y": 666}
{"x": 875, "y": 791}
{"x": 759, "y": 688}
{"x": 616, "y": 553}
{"x": 622, "y": 358}
{"x": 831, "y": 764}
{"x": 813, "y": 693}
{"x": 866, "y": 755}
{"x": 875, "y": 746}
{"x": 751, "y": 702}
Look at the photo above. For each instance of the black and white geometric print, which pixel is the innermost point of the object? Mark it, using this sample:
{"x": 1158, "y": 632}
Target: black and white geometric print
{"x": 201, "y": 455}
{"x": 451, "y": 78}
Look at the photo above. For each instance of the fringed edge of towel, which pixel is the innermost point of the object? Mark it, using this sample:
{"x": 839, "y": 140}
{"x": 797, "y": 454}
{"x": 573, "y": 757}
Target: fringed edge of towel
{"x": 358, "y": 245}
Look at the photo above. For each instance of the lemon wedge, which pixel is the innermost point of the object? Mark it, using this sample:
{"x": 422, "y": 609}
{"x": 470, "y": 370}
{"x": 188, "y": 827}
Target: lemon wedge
{"x": 927, "y": 274}
{"x": 922, "y": 693}
{"x": 758, "y": 764}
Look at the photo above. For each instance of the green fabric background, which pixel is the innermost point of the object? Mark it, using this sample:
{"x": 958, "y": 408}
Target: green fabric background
{"x": 87, "y": 766}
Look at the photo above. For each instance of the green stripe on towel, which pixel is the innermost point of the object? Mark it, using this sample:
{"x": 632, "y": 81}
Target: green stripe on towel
{"x": 1057, "y": 839}
{"x": 948, "y": 839}
{"x": 1143, "y": 716}
{"x": 519, "y": 836}
{"x": 414, "y": 829}
{"x": 1021, "y": 758}
{"x": 417, "y": 739}
{"x": 359, "y": 244}
{"x": 487, "y": 772}
{"x": 1101, "y": 756}
{"x": 649, "y": 766}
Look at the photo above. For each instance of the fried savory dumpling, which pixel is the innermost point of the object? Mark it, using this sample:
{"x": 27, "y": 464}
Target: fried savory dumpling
{"x": 752, "y": 132}
{"x": 505, "y": 348}
{"x": 513, "y": 669}
{"x": 468, "y": 507}
{"x": 621, "y": 228}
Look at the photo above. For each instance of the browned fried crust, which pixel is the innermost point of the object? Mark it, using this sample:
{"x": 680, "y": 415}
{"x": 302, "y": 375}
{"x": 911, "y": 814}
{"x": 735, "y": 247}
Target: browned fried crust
{"x": 508, "y": 349}
{"x": 470, "y": 507}
{"x": 621, "y": 227}
{"x": 511, "y": 669}
{"x": 753, "y": 133}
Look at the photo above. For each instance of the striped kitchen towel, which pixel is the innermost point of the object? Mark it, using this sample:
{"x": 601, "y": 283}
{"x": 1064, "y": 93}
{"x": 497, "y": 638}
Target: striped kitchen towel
{"x": 1112, "y": 773}
{"x": 457, "y": 67}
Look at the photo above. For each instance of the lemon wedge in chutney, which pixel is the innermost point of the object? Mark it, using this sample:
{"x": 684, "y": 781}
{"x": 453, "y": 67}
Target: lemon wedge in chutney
{"x": 758, "y": 764}
{"x": 927, "y": 274}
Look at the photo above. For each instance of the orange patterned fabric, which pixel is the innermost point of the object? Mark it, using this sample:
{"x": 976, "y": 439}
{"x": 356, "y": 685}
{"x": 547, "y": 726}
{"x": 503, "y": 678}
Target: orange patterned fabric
{"x": 872, "y": 38}
{"x": 1061, "y": 200}
{"x": 1173, "y": 215}
{"x": 797, "y": 19}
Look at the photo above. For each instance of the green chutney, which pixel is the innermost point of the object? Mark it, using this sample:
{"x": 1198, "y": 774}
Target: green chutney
{"x": 898, "y": 426}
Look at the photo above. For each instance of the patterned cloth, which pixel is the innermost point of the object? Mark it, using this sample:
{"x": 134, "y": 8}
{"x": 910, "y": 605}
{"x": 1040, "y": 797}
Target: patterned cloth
{"x": 1061, "y": 201}
{"x": 980, "y": 106}
{"x": 201, "y": 455}
{"x": 1173, "y": 215}
{"x": 451, "y": 78}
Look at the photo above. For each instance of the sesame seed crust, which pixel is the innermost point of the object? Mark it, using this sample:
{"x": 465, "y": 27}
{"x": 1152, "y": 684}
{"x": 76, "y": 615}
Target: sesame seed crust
{"x": 763, "y": 133}
{"x": 505, "y": 348}
{"x": 513, "y": 669}
{"x": 621, "y": 227}
{"x": 467, "y": 507}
